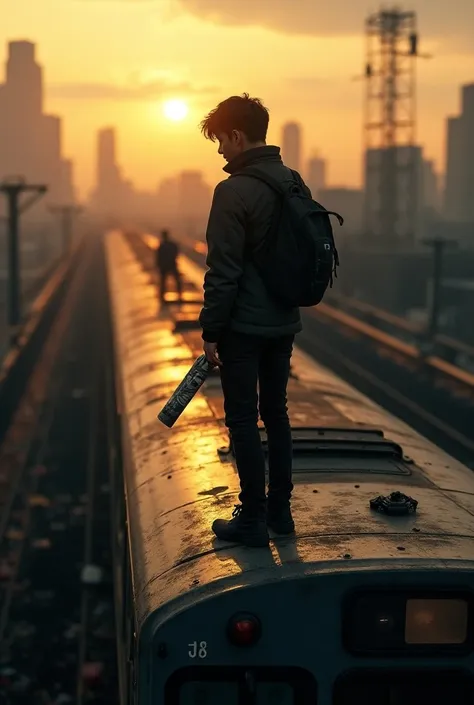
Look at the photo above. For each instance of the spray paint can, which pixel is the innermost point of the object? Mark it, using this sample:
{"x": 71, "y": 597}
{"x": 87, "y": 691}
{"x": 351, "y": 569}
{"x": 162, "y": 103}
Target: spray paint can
{"x": 185, "y": 391}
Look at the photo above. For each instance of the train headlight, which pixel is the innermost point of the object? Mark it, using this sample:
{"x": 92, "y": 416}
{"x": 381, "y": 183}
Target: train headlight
{"x": 411, "y": 621}
{"x": 244, "y": 629}
{"x": 435, "y": 621}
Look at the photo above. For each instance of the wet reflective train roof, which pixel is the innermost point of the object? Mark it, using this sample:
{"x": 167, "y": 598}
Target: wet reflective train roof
{"x": 177, "y": 483}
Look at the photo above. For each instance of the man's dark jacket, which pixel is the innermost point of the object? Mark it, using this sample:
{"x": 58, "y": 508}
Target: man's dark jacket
{"x": 235, "y": 297}
{"x": 166, "y": 255}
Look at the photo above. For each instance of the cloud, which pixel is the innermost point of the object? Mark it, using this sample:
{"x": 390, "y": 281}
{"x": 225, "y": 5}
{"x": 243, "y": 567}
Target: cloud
{"x": 338, "y": 17}
{"x": 132, "y": 91}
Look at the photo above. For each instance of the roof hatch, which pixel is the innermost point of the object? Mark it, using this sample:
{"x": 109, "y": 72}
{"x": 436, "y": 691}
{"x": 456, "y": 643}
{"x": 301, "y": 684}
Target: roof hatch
{"x": 345, "y": 450}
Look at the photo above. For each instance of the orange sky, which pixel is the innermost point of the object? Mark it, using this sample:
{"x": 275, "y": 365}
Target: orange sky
{"x": 115, "y": 61}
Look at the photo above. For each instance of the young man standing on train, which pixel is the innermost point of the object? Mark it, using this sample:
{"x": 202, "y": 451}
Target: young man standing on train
{"x": 245, "y": 331}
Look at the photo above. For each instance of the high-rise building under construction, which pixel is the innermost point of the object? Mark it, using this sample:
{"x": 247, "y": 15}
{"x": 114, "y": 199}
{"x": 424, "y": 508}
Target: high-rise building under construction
{"x": 393, "y": 162}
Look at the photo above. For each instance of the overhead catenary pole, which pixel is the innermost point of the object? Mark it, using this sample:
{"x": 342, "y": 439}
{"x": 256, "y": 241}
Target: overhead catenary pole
{"x": 67, "y": 214}
{"x": 13, "y": 189}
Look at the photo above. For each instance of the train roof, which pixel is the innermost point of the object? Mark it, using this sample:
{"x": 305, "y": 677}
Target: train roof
{"x": 177, "y": 483}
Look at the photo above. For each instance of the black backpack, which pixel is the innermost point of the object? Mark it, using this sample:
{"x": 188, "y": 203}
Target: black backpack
{"x": 298, "y": 257}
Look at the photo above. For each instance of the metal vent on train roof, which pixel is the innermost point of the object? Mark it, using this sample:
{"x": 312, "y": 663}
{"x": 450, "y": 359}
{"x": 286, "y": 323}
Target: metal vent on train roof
{"x": 345, "y": 450}
{"x": 348, "y": 439}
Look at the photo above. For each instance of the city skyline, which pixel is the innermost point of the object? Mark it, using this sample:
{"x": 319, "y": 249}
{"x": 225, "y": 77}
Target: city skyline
{"x": 25, "y": 124}
{"x": 136, "y": 61}
{"x": 183, "y": 199}
{"x": 31, "y": 144}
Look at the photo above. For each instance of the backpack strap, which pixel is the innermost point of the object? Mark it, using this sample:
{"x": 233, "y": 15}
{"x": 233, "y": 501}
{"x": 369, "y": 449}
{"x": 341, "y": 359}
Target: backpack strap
{"x": 256, "y": 173}
{"x": 279, "y": 186}
{"x": 297, "y": 177}
{"x": 338, "y": 216}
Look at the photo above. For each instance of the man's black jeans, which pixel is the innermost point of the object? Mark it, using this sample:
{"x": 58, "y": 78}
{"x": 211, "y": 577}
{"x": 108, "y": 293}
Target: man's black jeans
{"x": 246, "y": 360}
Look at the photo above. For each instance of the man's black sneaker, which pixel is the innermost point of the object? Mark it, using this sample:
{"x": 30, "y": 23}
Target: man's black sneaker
{"x": 279, "y": 518}
{"x": 249, "y": 529}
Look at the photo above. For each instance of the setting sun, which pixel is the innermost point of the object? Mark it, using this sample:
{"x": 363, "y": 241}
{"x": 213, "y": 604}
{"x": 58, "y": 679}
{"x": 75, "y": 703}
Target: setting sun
{"x": 175, "y": 109}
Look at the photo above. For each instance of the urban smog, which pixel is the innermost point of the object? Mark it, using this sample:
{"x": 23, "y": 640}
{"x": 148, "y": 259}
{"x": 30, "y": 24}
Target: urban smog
{"x": 236, "y": 353}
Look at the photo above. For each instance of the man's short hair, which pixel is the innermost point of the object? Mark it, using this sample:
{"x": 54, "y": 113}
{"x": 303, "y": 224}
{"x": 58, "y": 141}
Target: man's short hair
{"x": 239, "y": 112}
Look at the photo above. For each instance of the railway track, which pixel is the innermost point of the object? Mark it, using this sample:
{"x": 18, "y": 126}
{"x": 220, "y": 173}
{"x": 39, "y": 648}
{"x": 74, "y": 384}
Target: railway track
{"x": 433, "y": 398}
{"x": 442, "y": 418}
{"x": 57, "y": 640}
{"x": 456, "y": 352}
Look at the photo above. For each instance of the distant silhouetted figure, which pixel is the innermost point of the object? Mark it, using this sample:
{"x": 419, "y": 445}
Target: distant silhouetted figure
{"x": 166, "y": 262}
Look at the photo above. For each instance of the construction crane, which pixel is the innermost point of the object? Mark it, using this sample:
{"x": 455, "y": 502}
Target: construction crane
{"x": 392, "y": 159}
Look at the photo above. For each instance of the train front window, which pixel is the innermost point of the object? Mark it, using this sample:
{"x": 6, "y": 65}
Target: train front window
{"x": 211, "y": 685}
{"x": 215, "y": 693}
{"x": 211, "y": 693}
{"x": 429, "y": 687}
{"x": 270, "y": 693}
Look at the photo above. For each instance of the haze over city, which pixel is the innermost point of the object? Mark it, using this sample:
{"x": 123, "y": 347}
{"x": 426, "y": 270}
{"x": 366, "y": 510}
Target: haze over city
{"x": 169, "y": 332}
{"x": 114, "y": 62}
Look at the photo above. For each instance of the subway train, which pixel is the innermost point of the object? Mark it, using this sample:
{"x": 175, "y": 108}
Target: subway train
{"x": 369, "y": 603}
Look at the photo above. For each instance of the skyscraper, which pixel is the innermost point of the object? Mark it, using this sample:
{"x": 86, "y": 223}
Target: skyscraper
{"x": 459, "y": 193}
{"x": 316, "y": 176}
{"x": 24, "y": 80}
{"x": 291, "y": 145}
{"x": 112, "y": 194}
{"x": 399, "y": 160}
{"x": 52, "y": 130}
{"x": 107, "y": 169}
{"x": 20, "y": 121}
{"x": 430, "y": 185}
{"x": 30, "y": 142}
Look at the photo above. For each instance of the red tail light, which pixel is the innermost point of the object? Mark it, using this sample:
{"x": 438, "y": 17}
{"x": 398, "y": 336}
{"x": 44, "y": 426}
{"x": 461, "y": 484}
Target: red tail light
{"x": 244, "y": 629}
